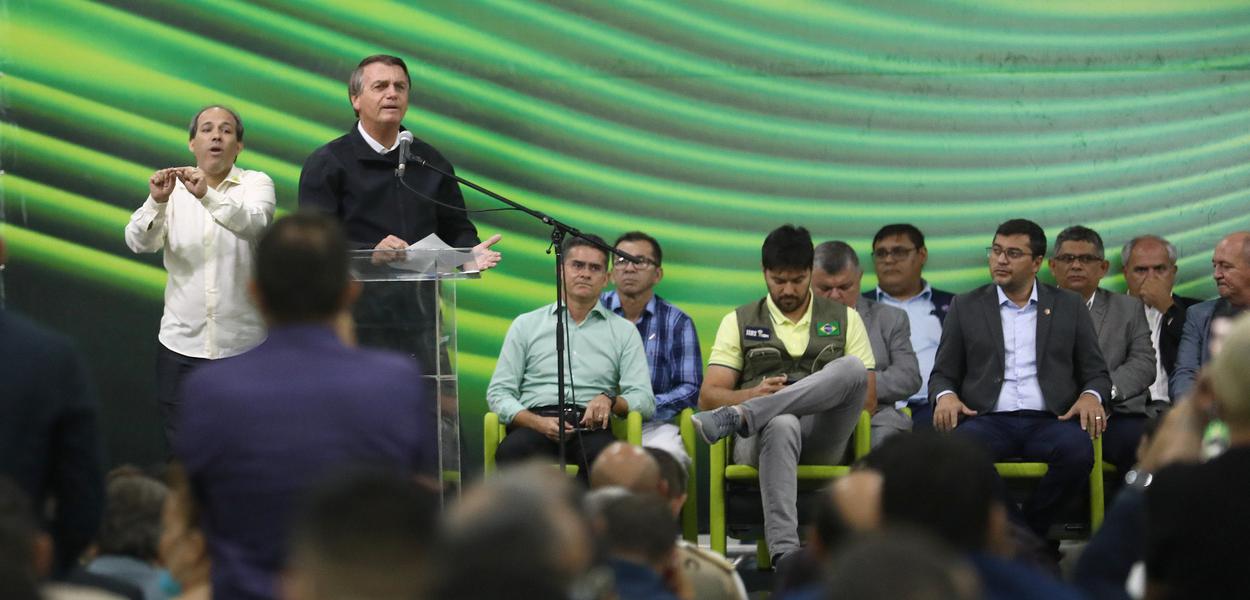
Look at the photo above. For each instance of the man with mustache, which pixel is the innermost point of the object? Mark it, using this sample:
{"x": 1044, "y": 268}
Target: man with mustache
{"x": 1019, "y": 370}
{"x": 606, "y": 371}
{"x": 207, "y": 219}
{"x": 899, "y": 256}
{"x": 1231, "y": 266}
{"x": 668, "y": 336}
{"x": 788, "y": 374}
{"x": 1079, "y": 264}
{"x": 1150, "y": 274}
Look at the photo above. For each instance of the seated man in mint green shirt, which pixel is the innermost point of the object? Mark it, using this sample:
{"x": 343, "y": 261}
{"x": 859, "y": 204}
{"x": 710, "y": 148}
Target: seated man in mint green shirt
{"x": 607, "y": 374}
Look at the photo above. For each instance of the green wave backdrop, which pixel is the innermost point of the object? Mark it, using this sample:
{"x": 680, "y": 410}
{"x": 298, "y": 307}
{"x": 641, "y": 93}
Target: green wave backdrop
{"x": 705, "y": 123}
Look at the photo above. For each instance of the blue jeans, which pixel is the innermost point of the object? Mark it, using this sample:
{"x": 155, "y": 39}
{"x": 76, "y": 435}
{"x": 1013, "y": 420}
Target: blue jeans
{"x": 1036, "y": 436}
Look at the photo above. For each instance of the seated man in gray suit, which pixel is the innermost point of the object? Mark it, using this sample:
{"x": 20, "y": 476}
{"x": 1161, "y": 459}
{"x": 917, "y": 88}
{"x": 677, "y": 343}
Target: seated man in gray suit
{"x": 1019, "y": 370}
{"x": 1231, "y": 266}
{"x": 836, "y": 275}
{"x": 1079, "y": 264}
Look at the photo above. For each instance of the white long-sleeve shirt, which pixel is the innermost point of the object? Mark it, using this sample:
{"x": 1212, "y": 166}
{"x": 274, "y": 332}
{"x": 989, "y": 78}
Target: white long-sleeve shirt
{"x": 209, "y": 245}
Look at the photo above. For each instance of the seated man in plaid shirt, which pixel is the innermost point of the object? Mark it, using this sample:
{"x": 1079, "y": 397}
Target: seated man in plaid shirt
{"x": 667, "y": 335}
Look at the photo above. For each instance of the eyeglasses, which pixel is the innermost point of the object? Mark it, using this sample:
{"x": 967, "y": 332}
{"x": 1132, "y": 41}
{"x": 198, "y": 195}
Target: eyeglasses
{"x": 1012, "y": 253}
{"x": 1085, "y": 259}
{"x": 897, "y": 253}
{"x": 642, "y": 265}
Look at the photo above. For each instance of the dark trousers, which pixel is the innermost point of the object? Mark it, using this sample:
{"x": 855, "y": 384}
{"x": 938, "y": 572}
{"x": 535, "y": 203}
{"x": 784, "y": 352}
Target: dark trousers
{"x": 1035, "y": 436}
{"x": 921, "y": 417}
{"x": 171, "y": 369}
{"x": 1119, "y": 442}
{"x": 581, "y": 448}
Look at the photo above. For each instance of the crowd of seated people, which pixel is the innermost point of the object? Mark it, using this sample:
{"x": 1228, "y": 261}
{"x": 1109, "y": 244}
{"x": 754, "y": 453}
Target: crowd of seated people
{"x": 267, "y": 497}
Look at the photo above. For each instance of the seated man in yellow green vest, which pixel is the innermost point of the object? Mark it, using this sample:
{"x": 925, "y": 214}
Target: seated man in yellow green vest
{"x": 788, "y": 373}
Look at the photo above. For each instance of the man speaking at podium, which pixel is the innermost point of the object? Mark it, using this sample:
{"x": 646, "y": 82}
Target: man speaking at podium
{"x": 355, "y": 179}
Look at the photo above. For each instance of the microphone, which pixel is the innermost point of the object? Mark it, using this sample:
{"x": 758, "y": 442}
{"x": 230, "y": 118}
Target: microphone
{"x": 405, "y": 140}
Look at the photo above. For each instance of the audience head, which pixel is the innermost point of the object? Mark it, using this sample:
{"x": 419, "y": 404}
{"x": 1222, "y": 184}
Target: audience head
{"x": 627, "y": 466}
{"x": 943, "y": 485}
{"x": 1231, "y": 263}
{"x": 1079, "y": 262}
{"x": 216, "y": 138}
{"x": 585, "y": 268}
{"x": 637, "y": 279}
{"x": 787, "y": 260}
{"x": 301, "y": 270}
{"x": 836, "y": 273}
{"x": 899, "y": 256}
{"x": 672, "y": 478}
{"x": 520, "y": 534}
{"x": 1229, "y": 373}
{"x": 362, "y": 536}
{"x": 848, "y": 506}
{"x": 901, "y": 565}
{"x": 26, "y": 555}
{"x": 637, "y": 528}
{"x": 1016, "y": 254}
{"x": 182, "y": 546}
{"x": 132, "y": 515}
{"x": 378, "y": 89}
{"x": 1148, "y": 257}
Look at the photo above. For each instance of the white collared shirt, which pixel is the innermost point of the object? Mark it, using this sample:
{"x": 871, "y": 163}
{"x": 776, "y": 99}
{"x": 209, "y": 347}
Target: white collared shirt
{"x": 1021, "y": 389}
{"x": 1158, "y": 389}
{"x": 208, "y": 247}
{"x": 376, "y": 145}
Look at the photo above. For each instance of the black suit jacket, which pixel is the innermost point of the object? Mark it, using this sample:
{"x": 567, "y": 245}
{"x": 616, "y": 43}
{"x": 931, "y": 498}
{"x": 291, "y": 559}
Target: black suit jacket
{"x": 1173, "y": 326}
{"x": 49, "y": 437}
{"x": 970, "y": 357}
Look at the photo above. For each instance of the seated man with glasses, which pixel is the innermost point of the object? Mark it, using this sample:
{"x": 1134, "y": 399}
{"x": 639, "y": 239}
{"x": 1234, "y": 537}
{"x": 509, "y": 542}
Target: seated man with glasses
{"x": 899, "y": 256}
{"x": 1019, "y": 370}
{"x": 668, "y": 336}
{"x": 1123, "y": 336}
{"x": 606, "y": 372}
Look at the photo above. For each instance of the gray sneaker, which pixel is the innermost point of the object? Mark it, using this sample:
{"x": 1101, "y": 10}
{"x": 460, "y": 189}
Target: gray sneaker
{"x": 716, "y": 424}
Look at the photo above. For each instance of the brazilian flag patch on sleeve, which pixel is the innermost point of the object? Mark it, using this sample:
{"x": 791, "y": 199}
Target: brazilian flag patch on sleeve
{"x": 828, "y": 328}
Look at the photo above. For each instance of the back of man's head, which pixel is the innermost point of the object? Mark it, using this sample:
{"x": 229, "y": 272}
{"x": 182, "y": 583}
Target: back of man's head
{"x": 944, "y": 485}
{"x": 132, "y": 514}
{"x": 835, "y": 257}
{"x": 363, "y": 536}
{"x": 627, "y": 466}
{"x": 787, "y": 248}
{"x": 517, "y": 535}
{"x": 637, "y": 528}
{"x": 672, "y": 476}
{"x": 901, "y": 565}
{"x": 301, "y": 269}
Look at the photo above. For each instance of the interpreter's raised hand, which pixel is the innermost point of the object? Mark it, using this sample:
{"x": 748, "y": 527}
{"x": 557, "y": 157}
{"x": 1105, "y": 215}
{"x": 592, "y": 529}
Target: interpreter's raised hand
{"x": 487, "y": 258}
{"x": 390, "y": 242}
{"x": 947, "y": 412}
{"x": 1089, "y": 409}
{"x": 193, "y": 179}
{"x": 161, "y": 185}
{"x": 1155, "y": 293}
{"x": 598, "y": 412}
{"x": 768, "y": 386}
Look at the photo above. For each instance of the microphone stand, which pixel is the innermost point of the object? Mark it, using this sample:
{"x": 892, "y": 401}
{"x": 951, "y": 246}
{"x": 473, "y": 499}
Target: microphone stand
{"x": 559, "y": 231}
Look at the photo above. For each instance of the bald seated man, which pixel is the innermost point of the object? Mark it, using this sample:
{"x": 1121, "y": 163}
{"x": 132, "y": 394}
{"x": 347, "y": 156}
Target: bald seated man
{"x": 1230, "y": 265}
{"x": 642, "y": 472}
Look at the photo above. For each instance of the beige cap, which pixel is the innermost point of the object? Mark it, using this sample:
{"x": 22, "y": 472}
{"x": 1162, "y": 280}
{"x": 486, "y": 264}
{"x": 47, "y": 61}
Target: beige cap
{"x": 1230, "y": 371}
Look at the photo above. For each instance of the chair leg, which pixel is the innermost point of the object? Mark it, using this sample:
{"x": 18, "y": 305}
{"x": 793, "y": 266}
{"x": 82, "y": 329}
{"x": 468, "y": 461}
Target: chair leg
{"x": 763, "y": 560}
{"x": 1097, "y": 505}
{"x": 716, "y": 495}
{"x": 690, "y": 512}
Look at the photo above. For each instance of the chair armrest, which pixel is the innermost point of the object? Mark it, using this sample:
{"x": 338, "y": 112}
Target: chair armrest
{"x": 629, "y": 428}
{"x": 690, "y": 512}
{"x": 863, "y": 435}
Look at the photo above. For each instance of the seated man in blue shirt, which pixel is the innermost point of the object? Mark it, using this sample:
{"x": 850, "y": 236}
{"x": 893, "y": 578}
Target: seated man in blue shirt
{"x": 1019, "y": 370}
{"x": 668, "y": 336}
{"x": 898, "y": 257}
{"x": 606, "y": 373}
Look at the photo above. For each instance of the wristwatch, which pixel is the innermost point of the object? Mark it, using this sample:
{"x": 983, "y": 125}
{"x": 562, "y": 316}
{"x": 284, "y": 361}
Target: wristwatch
{"x": 1138, "y": 480}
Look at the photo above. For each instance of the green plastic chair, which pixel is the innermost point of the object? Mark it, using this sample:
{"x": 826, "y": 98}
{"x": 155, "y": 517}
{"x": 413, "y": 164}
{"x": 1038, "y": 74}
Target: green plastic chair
{"x": 1036, "y": 470}
{"x": 493, "y": 432}
{"x": 690, "y": 512}
{"x": 721, "y": 472}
